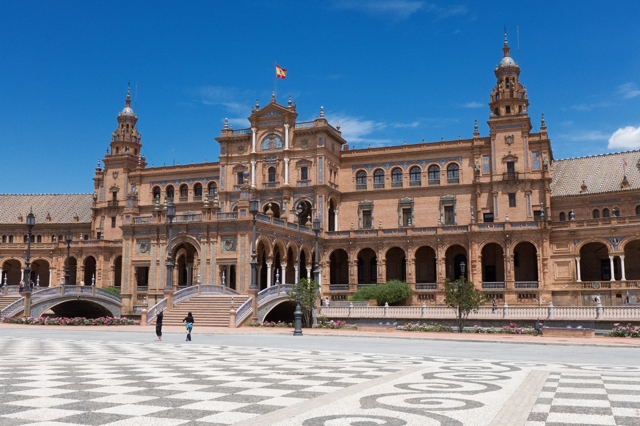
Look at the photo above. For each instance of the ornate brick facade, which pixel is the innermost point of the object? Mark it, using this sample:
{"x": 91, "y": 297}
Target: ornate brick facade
{"x": 528, "y": 229}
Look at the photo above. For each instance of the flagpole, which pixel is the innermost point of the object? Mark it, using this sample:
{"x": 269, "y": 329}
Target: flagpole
{"x": 275, "y": 78}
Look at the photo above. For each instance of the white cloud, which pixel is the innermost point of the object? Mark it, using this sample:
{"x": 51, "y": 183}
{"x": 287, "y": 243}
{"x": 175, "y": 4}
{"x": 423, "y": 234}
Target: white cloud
{"x": 589, "y": 107}
{"x": 628, "y": 90}
{"x": 239, "y": 123}
{"x": 405, "y": 125}
{"x": 625, "y": 138}
{"x": 585, "y": 135}
{"x": 356, "y": 130}
{"x": 473, "y": 105}
{"x": 213, "y": 95}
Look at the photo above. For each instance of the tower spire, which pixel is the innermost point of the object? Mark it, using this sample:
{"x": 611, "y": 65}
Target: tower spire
{"x": 128, "y": 100}
{"x": 505, "y": 48}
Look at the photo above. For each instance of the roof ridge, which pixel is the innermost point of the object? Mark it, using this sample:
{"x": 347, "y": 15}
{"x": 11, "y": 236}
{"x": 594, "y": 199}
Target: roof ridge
{"x": 597, "y": 155}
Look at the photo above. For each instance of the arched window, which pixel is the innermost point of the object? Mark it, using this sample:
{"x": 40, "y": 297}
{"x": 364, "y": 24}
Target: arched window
{"x": 169, "y": 193}
{"x": 4, "y": 238}
{"x": 85, "y": 237}
{"x": 563, "y": 217}
{"x": 10, "y": 239}
{"x": 637, "y": 210}
{"x": 453, "y": 173}
{"x": 39, "y": 239}
{"x": 616, "y": 212}
{"x": 25, "y": 238}
{"x": 605, "y": 212}
{"x": 184, "y": 192}
{"x": 361, "y": 180}
{"x": 596, "y": 214}
{"x": 434, "y": 175}
{"x": 396, "y": 178}
{"x": 272, "y": 174}
{"x": 156, "y": 192}
{"x": 53, "y": 239}
{"x": 415, "y": 176}
{"x": 197, "y": 190}
{"x": 212, "y": 188}
{"x": 378, "y": 179}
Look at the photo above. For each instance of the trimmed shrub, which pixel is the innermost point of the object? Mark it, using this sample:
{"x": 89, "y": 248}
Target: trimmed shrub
{"x": 394, "y": 292}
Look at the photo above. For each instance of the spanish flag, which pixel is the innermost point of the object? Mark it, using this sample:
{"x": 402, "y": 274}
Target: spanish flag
{"x": 281, "y": 72}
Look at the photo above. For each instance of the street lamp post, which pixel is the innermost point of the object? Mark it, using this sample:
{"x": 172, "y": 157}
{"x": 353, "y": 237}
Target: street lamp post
{"x": 67, "y": 238}
{"x": 26, "y": 289}
{"x": 463, "y": 268}
{"x": 316, "y": 271}
{"x": 253, "y": 286}
{"x": 297, "y": 314}
{"x": 171, "y": 214}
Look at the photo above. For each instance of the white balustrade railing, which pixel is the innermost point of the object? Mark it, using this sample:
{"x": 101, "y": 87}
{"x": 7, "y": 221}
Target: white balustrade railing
{"x": 273, "y": 292}
{"x": 151, "y": 312}
{"x": 12, "y": 308}
{"x": 184, "y": 294}
{"x": 580, "y": 313}
{"x": 243, "y": 311}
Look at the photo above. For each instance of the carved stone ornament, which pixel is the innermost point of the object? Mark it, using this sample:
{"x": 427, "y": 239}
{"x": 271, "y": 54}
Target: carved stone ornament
{"x": 144, "y": 246}
{"x": 509, "y": 139}
{"x": 240, "y": 149}
{"x": 115, "y": 175}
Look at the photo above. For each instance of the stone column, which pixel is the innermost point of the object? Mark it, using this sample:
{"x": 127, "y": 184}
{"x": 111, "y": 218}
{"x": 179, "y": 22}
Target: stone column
{"x": 624, "y": 275}
{"x": 286, "y": 136}
{"x": 309, "y": 273}
{"x": 335, "y": 220}
{"x": 296, "y": 277}
{"x": 269, "y": 274}
{"x": 189, "y": 274}
{"x": 613, "y": 275}
{"x": 286, "y": 171}
{"x": 578, "y": 274}
{"x": 253, "y": 173}
{"x": 253, "y": 139}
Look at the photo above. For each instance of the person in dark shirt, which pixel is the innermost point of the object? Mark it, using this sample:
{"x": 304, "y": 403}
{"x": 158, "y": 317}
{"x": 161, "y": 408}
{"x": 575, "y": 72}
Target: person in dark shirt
{"x": 159, "y": 316}
{"x": 188, "y": 320}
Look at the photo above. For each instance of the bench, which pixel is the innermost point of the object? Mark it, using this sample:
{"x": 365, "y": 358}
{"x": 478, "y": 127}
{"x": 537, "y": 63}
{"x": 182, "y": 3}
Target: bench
{"x": 568, "y": 332}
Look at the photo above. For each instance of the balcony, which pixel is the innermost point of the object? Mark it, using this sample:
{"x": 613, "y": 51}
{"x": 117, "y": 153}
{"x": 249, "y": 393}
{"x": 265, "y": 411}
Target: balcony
{"x": 493, "y": 285}
{"x": 378, "y": 185}
{"x": 510, "y": 176}
{"x": 361, "y": 187}
{"x": 304, "y": 183}
{"x": 228, "y": 216}
{"x": 183, "y": 199}
{"x": 415, "y": 183}
{"x": 270, "y": 184}
{"x": 525, "y": 284}
{"x": 112, "y": 203}
{"x": 191, "y": 217}
{"x": 396, "y": 184}
{"x": 338, "y": 287}
{"x": 426, "y": 286}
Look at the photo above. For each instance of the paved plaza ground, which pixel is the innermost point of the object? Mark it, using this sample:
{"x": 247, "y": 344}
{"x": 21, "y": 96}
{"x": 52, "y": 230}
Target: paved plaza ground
{"x": 120, "y": 376}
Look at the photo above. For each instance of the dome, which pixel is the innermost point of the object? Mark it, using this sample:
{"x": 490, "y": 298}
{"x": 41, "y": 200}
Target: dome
{"x": 507, "y": 61}
{"x": 127, "y": 111}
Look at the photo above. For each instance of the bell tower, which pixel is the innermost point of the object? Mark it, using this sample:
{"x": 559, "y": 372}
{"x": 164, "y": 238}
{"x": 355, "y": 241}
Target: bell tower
{"x": 509, "y": 96}
{"x": 125, "y": 140}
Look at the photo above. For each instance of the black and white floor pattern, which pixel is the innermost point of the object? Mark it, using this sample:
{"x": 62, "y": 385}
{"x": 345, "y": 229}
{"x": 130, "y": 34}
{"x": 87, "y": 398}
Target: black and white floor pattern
{"x": 62, "y": 383}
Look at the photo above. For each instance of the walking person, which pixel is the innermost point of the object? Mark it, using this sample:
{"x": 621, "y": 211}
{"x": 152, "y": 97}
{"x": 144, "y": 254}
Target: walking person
{"x": 494, "y": 304}
{"x": 188, "y": 320}
{"x": 159, "y": 316}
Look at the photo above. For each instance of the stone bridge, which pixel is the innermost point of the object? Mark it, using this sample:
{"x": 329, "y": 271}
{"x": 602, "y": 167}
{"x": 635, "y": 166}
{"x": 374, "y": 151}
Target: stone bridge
{"x": 69, "y": 301}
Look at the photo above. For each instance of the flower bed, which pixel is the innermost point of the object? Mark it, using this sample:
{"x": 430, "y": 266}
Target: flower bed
{"x": 71, "y": 321}
{"x": 335, "y": 324}
{"x": 438, "y": 328}
{"x": 512, "y": 328}
{"x": 624, "y": 331}
{"x": 279, "y": 324}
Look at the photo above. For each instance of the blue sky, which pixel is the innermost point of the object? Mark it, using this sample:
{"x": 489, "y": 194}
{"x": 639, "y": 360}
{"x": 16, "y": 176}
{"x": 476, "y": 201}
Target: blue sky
{"x": 388, "y": 71}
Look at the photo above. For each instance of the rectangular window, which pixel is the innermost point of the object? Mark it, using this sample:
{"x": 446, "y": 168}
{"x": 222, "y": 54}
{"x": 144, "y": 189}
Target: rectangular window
{"x": 304, "y": 173}
{"x": 448, "y": 215}
{"x": 406, "y": 217}
{"x": 508, "y": 109}
{"x": 366, "y": 219}
{"x": 113, "y": 222}
{"x": 240, "y": 178}
{"x": 486, "y": 164}
{"x": 487, "y": 217}
{"x": 537, "y": 214}
{"x": 114, "y": 195}
{"x": 535, "y": 160}
{"x": 512, "y": 199}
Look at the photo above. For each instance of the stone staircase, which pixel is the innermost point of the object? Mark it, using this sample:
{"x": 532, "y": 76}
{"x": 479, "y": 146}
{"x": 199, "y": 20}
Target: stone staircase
{"x": 208, "y": 311}
{"x": 7, "y": 300}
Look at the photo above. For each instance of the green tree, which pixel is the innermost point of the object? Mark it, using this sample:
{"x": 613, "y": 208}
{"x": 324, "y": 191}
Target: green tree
{"x": 308, "y": 295}
{"x": 463, "y": 296}
{"x": 393, "y": 292}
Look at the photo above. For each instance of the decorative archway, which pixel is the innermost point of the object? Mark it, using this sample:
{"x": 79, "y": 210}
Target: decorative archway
{"x": 525, "y": 262}
{"x": 339, "y": 267}
{"x": 454, "y": 256}
{"x": 367, "y": 266}
{"x": 12, "y": 272}
{"x": 492, "y": 263}
{"x": 595, "y": 264}
{"x": 426, "y": 265}
{"x": 186, "y": 256}
{"x": 41, "y": 270}
{"x": 89, "y": 270}
{"x": 396, "y": 264}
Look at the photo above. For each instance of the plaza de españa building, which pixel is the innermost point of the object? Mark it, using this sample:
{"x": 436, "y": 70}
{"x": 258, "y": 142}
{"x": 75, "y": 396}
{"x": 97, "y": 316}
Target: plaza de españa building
{"x": 529, "y": 229}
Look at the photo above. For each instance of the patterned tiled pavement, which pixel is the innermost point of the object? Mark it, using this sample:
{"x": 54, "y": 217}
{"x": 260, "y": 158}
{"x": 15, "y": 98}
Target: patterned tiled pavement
{"x": 49, "y": 381}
